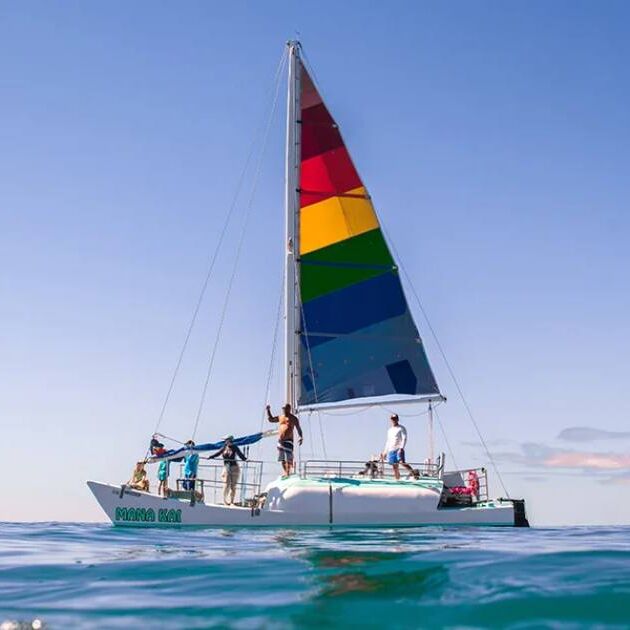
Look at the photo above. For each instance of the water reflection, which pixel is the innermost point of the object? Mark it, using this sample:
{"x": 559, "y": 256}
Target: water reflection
{"x": 374, "y": 563}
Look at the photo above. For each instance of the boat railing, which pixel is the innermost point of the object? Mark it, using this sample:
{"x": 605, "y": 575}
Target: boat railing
{"x": 210, "y": 482}
{"x": 367, "y": 469}
{"x": 471, "y": 481}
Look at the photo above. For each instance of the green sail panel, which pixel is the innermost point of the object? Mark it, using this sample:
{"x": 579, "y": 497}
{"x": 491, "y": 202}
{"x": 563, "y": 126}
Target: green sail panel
{"x": 337, "y": 266}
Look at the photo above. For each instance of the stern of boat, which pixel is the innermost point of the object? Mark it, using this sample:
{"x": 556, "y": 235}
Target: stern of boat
{"x": 520, "y": 515}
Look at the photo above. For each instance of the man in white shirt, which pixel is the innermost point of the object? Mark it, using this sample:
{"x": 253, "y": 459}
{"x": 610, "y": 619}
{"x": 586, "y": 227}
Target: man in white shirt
{"x": 394, "y": 452}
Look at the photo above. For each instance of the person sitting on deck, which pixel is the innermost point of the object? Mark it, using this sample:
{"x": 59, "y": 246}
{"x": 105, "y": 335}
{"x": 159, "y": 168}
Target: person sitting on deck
{"x": 191, "y": 463}
{"x": 473, "y": 483}
{"x": 231, "y": 469}
{"x": 139, "y": 479}
{"x": 395, "y": 446}
{"x": 287, "y": 422}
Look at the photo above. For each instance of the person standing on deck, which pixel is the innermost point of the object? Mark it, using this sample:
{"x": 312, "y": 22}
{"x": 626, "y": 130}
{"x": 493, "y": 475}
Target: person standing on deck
{"x": 191, "y": 463}
{"x": 394, "y": 452}
{"x": 162, "y": 474}
{"x": 231, "y": 469}
{"x": 158, "y": 450}
{"x": 288, "y": 422}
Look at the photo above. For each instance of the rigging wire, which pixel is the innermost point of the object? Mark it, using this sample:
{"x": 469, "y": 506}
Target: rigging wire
{"x": 310, "y": 362}
{"x": 446, "y": 361}
{"x": 274, "y": 347}
{"x": 168, "y": 437}
{"x": 214, "y": 257}
{"x": 272, "y": 359}
{"x": 311, "y": 442}
{"x": 321, "y": 435}
{"x": 448, "y": 446}
{"x": 239, "y": 249}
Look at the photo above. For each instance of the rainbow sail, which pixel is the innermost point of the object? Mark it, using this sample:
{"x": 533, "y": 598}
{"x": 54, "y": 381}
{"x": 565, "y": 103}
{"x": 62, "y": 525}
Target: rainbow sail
{"x": 358, "y": 337}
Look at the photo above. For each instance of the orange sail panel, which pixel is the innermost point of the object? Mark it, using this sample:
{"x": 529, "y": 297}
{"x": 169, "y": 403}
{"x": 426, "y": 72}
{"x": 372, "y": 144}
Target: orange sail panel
{"x": 358, "y": 337}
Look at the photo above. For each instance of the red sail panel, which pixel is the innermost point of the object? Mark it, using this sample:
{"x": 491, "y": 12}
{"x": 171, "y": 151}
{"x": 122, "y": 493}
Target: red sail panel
{"x": 309, "y": 94}
{"x": 319, "y": 132}
{"x": 327, "y": 175}
{"x": 327, "y": 169}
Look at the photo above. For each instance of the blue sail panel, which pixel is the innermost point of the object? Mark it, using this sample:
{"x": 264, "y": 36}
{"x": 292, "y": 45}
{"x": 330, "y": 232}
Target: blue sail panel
{"x": 379, "y": 360}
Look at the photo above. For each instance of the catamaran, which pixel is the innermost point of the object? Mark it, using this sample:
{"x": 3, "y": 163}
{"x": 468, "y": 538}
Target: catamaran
{"x": 350, "y": 340}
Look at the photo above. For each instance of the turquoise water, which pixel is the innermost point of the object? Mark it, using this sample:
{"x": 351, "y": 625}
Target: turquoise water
{"x": 97, "y": 576}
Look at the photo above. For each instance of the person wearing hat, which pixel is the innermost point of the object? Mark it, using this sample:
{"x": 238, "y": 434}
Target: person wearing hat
{"x": 158, "y": 450}
{"x": 155, "y": 444}
{"x": 394, "y": 452}
{"x": 191, "y": 464}
{"x": 231, "y": 470}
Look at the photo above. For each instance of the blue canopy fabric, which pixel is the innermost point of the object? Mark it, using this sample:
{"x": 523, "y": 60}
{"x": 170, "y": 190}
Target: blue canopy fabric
{"x": 180, "y": 453}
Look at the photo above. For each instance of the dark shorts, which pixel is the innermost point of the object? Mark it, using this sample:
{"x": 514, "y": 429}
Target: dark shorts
{"x": 393, "y": 457}
{"x": 285, "y": 451}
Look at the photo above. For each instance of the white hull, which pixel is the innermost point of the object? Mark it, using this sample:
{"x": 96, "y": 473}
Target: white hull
{"x": 295, "y": 502}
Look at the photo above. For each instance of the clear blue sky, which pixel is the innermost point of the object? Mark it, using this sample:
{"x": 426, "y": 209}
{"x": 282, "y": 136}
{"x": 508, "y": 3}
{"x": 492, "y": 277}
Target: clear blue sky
{"x": 493, "y": 138}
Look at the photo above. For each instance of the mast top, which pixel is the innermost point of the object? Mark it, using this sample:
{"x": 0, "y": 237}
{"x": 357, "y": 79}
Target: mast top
{"x": 294, "y": 43}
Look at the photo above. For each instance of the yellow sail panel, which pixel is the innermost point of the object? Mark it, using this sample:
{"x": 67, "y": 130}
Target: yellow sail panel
{"x": 336, "y": 219}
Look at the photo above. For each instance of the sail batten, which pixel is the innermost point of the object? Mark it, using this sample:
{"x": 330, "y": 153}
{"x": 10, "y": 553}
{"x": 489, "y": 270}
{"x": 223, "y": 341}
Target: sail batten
{"x": 358, "y": 338}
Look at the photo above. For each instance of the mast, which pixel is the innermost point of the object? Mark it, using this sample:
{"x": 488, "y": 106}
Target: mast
{"x": 292, "y": 179}
{"x": 431, "y": 438}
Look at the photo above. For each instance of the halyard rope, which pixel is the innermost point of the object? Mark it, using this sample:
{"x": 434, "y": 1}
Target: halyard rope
{"x": 446, "y": 362}
{"x": 213, "y": 260}
{"x": 239, "y": 249}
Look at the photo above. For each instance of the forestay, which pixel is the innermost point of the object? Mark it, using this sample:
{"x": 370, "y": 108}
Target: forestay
{"x": 358, "y": 338}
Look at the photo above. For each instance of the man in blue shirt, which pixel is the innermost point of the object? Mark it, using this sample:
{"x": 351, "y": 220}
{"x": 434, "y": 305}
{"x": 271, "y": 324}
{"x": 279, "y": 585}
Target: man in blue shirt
{"x": 191, "y": 463}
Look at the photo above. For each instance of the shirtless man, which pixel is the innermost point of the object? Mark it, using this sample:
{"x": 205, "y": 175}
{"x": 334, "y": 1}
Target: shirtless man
{"x": 287, "y": 422}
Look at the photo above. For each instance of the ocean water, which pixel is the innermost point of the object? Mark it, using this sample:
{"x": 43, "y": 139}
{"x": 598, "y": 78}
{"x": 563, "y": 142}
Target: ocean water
{"x": 98, "y": 576}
